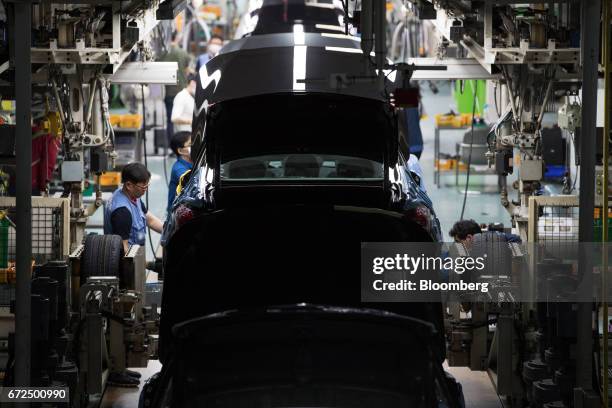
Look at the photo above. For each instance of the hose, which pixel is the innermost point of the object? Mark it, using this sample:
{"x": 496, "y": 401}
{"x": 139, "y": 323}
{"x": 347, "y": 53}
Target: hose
{"x": 144, "y": 141}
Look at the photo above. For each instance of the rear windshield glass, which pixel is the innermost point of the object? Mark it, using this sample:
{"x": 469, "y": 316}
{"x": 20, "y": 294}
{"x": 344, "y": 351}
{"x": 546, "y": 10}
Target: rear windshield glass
{"x": 302, "y": 166}
{"x": 301, "y": 137}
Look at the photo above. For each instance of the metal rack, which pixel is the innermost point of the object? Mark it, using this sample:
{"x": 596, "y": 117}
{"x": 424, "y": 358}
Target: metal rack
{"x": 50, "y": 237}
{"x": 553, "y": 219}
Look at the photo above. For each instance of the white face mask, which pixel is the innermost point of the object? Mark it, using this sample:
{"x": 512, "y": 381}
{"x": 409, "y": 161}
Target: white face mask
{"x": 213, "y": 49}
{"x": 186, "y": 151}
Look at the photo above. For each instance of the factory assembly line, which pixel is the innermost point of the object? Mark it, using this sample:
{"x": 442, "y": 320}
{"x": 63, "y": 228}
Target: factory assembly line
{"x": 303, "y": 258}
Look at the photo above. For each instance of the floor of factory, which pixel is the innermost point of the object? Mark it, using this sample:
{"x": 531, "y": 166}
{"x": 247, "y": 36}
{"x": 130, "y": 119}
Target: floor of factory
{"x": 482, "y": 205}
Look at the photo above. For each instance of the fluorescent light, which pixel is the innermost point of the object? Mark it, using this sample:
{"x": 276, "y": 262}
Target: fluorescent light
{"x": 151, "y": 72}
{"x": 329, "y": 27}
{"x": 321, "y": 5}
{"x": 299, "y": 67}
{"x": 341, "y": 36}
{"x": 298, "y": 34}
{"x": 345, "y": 49}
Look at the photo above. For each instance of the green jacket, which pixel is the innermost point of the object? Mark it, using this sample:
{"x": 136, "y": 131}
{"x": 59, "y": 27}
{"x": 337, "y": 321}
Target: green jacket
{"x": 182, "y": 58}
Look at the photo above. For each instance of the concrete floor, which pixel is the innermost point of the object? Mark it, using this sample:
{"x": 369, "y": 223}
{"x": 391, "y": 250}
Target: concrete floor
{"x": 477, "y": 389}
{"x": 117, "y": 397}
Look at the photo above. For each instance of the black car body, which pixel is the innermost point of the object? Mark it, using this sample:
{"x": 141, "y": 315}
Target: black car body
{"x": 296, "y": 163}
{"x": 303, "y": 356}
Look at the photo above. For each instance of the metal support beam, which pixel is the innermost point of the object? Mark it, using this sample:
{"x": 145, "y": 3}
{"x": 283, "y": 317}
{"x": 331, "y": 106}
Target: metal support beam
{"x": 367, "y": 33}
{"x": 456, "y": 68}
{"x": 590, "y": 57}
{"x": 380, "y": 34}
{"x": 23, "y": 92}
{"x": 488, "y": 26}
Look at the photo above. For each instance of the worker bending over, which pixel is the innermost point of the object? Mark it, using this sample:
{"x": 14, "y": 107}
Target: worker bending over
{"x": 463, "y": 232}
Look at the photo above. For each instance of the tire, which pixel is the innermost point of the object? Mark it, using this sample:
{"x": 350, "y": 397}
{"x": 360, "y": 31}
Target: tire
{"x": 101, "y": 256}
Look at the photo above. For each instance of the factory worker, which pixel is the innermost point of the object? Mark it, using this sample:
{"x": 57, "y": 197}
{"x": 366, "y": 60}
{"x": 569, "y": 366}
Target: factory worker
{"x": 212, "y": 49}
{"x": 181, "y": 146}
{"x": 182, "y": 109}
{"x": 125, "y": 214}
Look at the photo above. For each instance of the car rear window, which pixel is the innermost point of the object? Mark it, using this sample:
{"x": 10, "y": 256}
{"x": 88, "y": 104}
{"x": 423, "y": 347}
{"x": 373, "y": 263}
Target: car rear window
{"x": 302, "y": 166}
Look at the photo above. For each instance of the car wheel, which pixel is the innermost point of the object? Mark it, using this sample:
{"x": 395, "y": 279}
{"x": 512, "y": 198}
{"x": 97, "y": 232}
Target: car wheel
{"x": 101, "y": 256}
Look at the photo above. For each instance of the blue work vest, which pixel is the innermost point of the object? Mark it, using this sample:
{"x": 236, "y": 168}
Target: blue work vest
{"x": 139, "y": 220}
{"x": 415, "y": 137}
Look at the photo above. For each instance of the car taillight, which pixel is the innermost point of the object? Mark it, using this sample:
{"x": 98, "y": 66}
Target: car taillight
{"x": 183, "y": 214}
{"x": 421, "y": 215}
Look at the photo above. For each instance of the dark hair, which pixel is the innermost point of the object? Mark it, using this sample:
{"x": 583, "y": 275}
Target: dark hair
{"x": 463, "y": 228}
{"x": 178, "y": 141}
{"x": 136, "y": 173}
{"x": 191, "y": 77}
{"x": 215, "y": 36}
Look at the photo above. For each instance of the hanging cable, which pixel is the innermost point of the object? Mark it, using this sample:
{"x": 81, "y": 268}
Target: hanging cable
{"x": 144, "y": 142}
{"x": 469, "y": 163}
{"x": 165, "y": 149}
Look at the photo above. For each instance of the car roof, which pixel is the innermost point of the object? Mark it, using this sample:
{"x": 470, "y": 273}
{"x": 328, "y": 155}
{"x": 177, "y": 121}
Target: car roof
{"x": 275, "y": 16}
{"x": 295, "y": 62}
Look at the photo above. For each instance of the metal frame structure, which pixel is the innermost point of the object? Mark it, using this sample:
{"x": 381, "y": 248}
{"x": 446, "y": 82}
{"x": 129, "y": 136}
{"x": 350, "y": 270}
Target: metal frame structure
{"x": 536, "y": 202}
{"x": 68, "y": 63}
{"x": 590, "y": 36}
{"x": 78, "y": 65}
{"x": 23, "y": 91}
{"x": 522, "y": 65}
{"x": 48, "y": 202}
{"x": 523, "y": 61}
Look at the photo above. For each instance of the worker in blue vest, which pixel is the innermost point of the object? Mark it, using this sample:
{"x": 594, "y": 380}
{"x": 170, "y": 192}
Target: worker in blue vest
{"x": 126, "y": 214}
{"x": 181, "y": 146}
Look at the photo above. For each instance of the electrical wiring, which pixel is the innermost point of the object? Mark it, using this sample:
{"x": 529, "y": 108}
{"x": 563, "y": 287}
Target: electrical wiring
{"x": 494, "y": 132}
{"x": 345, "y": 6}
{"x": 497, "y": 111}
{"x": 144, "y": 138}
{"x": 577, "y": 166}
{"x": 166, "y": 152}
